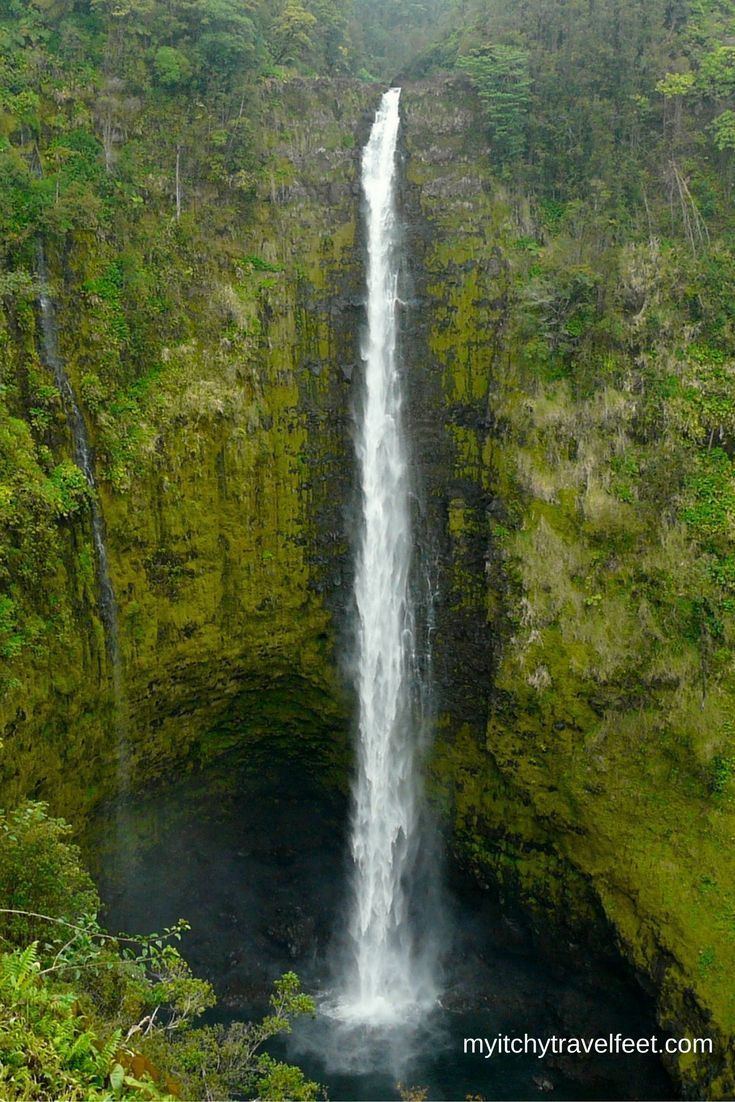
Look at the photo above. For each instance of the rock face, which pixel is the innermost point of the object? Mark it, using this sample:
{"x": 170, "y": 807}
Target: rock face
{"x": 227, "y": 531}
{"x": 566, "y": 735}
{"x": 228, "y": 511}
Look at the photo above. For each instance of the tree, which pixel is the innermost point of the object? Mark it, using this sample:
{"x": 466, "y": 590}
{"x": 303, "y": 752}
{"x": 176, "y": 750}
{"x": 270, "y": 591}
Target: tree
{"x": 40, "y": 870}
{"x": 716, "y": 76}
{"x": 85, "y": 1014}
{"x": 171, "y": 66}
{"x": 292, "y": 33}
{"x": 723, "y": 131}
{"x": 675, "y": 87}
{"x": 501, "y": 76}
{"x": 330, "y": 34}
{"x": 224, "y": 38}
{"x": 222, "y": 1062}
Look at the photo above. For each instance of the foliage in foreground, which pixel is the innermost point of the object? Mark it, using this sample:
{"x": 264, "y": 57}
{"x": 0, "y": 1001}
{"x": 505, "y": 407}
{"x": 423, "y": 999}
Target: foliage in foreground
{"x": 87, "y": 1015}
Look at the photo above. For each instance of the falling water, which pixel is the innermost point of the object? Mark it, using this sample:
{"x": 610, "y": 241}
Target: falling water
{"x": 382, "y": 984}
{"x": 82, "y": 454}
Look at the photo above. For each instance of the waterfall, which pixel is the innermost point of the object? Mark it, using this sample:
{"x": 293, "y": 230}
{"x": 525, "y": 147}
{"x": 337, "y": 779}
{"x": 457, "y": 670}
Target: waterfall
{"x": 82, "y": 454}
{"x": 383, "y": 981}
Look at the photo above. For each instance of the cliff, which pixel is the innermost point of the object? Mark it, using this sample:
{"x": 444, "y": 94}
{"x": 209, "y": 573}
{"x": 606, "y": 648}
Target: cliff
{"x": 217, "y": 467}
{"x": 581, "y": 755}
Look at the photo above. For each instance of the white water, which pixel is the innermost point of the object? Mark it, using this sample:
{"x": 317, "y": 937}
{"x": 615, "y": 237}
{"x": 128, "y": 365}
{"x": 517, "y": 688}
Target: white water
{"x": 382, "y": 983}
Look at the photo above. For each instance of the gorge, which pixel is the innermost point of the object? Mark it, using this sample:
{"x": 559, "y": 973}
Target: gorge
{"x": 257, "y": 862}
{"x": 566, "y": 480}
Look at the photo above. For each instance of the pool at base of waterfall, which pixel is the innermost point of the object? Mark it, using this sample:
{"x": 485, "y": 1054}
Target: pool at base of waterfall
{"x": 258, "y": 863}
{"x": 429, "y": 1059}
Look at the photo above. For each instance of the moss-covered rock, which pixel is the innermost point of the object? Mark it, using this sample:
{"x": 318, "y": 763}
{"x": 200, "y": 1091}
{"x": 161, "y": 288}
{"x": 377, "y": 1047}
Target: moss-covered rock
{"x": 585, "y": 765}
{"x": 575, "y": 530}
{"x": 218, "y": 457}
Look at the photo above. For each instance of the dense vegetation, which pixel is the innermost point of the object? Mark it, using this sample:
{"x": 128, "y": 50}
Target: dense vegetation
{"x": 126, "y": 148}
{"x": 615, "y": 121}
{"x": 132, "y": 147}
{"x": 610, "y": 125}
{"x": 612, "y": 455}
{"x": 84, "y": 1015}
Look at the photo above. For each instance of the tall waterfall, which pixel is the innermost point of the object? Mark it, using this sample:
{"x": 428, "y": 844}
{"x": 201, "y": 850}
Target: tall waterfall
{"x": 82, "y": 453}
{"x": 383, "y": 984}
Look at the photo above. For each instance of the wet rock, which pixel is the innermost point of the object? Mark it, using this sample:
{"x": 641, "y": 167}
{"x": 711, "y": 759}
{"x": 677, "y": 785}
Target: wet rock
{"x": 294, "y": 930}
{"x": 541, "y": 1083}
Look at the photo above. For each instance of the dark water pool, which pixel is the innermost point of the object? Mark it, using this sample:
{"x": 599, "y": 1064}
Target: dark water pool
{"x": 258, "y": 868}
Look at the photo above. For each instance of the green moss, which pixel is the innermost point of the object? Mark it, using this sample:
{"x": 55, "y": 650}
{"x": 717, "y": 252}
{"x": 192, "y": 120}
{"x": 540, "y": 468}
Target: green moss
{"x": 187, "y": 351}
{"x": 587, "y": 522}
{"x": 585, "y": 468}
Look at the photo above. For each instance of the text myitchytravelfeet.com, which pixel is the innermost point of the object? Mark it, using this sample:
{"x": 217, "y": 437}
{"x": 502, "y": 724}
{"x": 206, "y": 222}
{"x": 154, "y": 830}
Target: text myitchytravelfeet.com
{"x": 614, "y": 1044}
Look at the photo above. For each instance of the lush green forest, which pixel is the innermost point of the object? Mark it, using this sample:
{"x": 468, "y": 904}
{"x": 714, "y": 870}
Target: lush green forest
{"x": 135, "y": 146}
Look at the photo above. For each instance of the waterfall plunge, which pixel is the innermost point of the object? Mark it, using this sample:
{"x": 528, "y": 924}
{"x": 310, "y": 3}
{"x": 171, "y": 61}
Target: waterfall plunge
{"x": 387, "y": 978}
{"x": 83, "y": 457}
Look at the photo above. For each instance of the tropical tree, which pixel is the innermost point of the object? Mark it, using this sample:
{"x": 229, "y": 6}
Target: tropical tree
{"x": 501, "y": 76}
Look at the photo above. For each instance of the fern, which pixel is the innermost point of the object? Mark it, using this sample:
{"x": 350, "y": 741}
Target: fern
{"x": 20, "y": 967}
{"x": 107, "y": 1055}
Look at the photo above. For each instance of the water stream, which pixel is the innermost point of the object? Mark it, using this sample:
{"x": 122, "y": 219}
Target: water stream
{"x": 82, "y": 454}
{"x": 83, "y": 457}
{"x": 385, "y": 980}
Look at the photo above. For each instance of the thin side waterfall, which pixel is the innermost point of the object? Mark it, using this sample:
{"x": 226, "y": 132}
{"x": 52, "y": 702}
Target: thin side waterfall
{"x": 383, "y": 984}
{"x": 82, "y": 454}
